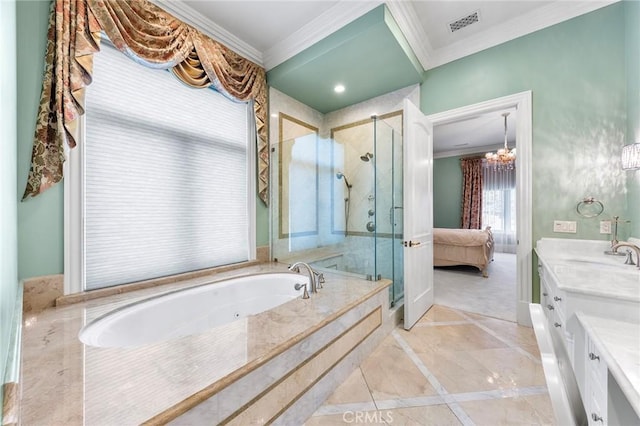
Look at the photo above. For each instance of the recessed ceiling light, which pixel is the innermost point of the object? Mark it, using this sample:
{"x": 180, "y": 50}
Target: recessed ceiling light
{"x": 339, "y": 88}
{"x": 274, "y": 115}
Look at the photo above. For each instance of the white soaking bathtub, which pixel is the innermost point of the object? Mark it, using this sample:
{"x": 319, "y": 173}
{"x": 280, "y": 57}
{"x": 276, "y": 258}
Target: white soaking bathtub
{"x": 192, "y": 310}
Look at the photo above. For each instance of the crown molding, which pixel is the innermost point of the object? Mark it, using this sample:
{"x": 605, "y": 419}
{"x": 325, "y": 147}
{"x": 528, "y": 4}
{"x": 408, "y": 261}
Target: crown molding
{"x": 190, "y": 16}
{"x": 327, "y": 23}
{"x": 535, "y": 20}
{"x": 407, "y": 19}
{"x": 467, "y": 151}
{"x": 345, "y": 11}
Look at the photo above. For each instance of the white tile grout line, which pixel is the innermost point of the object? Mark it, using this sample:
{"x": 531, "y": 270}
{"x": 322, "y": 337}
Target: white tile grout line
{"x": 443, "y": 396}
{"x": 453, "y": 406}
{"x": 425, "y": 401}
{"x": 326, "y": 410}
{"x": 497, "y": 336}
{"x": 439, "y": 323}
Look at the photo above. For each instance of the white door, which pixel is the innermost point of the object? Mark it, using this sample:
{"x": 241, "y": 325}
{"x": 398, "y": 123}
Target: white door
{"x": 418, "y": 214}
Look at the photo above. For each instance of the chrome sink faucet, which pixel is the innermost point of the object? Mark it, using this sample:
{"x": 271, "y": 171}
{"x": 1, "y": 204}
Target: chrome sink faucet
{"x": 312, "y": 276}
{"x": 633, "y": 246}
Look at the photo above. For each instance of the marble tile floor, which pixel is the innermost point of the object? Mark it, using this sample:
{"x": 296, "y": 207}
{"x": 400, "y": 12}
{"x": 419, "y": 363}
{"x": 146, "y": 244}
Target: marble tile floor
{"x": 452, "y": 368}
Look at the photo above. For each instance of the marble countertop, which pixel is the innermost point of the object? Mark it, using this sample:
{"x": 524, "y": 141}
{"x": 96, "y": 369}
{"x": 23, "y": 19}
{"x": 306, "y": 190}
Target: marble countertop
{"x": 66, "y": 382}
{"x": 619, "y": 345}
{"x": 580, "y": 266}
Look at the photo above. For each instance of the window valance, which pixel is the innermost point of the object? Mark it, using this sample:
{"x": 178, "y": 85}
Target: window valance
{"x": 153, "y": 38}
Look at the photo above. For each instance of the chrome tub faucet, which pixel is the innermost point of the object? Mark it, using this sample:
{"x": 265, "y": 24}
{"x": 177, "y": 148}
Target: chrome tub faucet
{"x": 312, "y": 274}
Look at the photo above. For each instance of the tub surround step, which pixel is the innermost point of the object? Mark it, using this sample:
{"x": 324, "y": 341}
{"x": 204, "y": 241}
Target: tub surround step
{"x": 66, "y": 382}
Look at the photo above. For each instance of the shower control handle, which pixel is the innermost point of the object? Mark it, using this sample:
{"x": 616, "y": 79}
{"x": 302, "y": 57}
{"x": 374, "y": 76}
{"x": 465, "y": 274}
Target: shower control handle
{"x": 305, "y": 294}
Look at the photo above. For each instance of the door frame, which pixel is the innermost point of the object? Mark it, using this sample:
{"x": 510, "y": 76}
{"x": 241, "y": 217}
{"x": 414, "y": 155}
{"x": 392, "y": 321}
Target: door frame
{"x": 524, "y": 142}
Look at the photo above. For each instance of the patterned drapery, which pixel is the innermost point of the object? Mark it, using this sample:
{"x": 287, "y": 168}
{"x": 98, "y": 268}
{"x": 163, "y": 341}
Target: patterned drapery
{"x": 151, "y": 37}
{"x": 471, "y": 193}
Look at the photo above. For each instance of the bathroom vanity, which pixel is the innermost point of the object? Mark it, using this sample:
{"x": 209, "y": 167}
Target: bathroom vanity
{"x": 592, "y": 301}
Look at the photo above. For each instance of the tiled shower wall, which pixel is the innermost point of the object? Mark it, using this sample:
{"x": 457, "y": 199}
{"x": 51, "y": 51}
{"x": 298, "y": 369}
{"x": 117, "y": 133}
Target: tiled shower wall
{"x": 356, "y": 250}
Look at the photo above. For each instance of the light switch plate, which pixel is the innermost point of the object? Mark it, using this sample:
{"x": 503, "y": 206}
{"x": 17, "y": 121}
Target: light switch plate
{"x": 605, "y": 226}
{"x": 567, "y": 226}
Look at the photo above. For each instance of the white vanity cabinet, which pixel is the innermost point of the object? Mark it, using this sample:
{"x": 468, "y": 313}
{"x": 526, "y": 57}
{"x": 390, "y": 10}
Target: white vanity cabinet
{"x": 595, "y": 384}
{"x": 593, "y": 302}
{"x": 553, "y": 301}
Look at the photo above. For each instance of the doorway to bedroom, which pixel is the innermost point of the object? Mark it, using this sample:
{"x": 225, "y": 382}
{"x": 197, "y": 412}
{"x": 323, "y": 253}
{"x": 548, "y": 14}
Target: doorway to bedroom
{"x": 476, "y": 213}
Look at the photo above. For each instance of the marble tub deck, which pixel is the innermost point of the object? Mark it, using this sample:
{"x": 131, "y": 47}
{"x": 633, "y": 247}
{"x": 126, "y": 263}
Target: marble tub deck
{"x": 66, "y": 382}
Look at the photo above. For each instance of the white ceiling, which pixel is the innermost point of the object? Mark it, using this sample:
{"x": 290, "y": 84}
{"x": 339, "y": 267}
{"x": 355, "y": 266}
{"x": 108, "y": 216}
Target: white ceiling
{"x": 477, "y": 134}
{"x": 270, "y": 32}
{"x": 261, "y": 24}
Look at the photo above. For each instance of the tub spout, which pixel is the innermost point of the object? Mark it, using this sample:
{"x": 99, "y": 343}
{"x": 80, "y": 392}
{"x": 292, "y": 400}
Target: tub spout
{"x": 312, "y": 278}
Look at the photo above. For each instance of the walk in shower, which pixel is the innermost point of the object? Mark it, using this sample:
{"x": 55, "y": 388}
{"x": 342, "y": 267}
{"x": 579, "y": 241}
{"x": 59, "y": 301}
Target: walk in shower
{"x": 337, "y": 196}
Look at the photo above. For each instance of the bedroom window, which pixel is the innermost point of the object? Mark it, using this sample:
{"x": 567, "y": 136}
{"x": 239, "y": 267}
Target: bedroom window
{"x": 499, "y": 206}
{"x": 167, "y": 183}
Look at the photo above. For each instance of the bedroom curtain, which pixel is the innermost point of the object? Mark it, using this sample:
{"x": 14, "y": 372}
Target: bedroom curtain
{"x": 471, "y": 193}
{"x": 151, "y": 37}
{"x": 499, "y": 206}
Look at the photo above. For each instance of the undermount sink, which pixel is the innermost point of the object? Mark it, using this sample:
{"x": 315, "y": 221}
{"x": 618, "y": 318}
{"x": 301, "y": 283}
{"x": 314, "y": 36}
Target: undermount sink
{"x": 602, "y": 265}
{"x": 584, "y": 273}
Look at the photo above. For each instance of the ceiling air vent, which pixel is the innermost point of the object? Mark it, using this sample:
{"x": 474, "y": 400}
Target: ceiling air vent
{"x": 464, "y": 22}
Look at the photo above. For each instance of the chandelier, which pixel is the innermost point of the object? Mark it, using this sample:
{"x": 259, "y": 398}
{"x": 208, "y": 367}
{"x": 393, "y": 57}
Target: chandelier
{"x": 504, "y": 157}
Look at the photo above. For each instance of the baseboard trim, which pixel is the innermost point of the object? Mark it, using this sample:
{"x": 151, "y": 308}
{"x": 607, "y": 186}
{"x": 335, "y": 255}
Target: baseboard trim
{"x": 523, "y": 314}
{"x": 11, "y": 379}
{"x": 10, "y": 404}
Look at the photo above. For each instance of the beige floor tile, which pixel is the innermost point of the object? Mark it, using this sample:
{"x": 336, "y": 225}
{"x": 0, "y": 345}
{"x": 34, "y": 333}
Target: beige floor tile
{"x": 532, "y": 349}
{"x": 473, "y": 316}
{"x": 511, "y": 331}
{"x": 510, "y": 367}
{"x": 507, "y": 411}
{"x": 421, "y": 416}
{"x": 382, "y": 417}
{"x": 452, "y": 338}
{"x": 390, "y": 373}
{"x": 542, "y": 405}
{"x": 331, "y": 420}
{"x": 354, "y": 389}
{"x": 460, "y": 371}
{"x": 463, "y": 358}
{"x": 439, "y": 313}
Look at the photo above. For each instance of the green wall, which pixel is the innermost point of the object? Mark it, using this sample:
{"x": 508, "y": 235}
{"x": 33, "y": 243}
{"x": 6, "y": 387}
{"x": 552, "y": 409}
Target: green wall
{"x": 8, "y": 219}
{"x": 632, "y": 27}
{"x": 576, "y": 72}
{"x": 40, "y": 227}
{"x": 447, "y": 192}
{"x": 40, "y": 223}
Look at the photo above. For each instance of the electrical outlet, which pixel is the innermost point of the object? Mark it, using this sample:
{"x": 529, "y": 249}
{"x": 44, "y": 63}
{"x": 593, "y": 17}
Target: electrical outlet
{"x": 605, "y": 226}
{"x": 568, "y": 226}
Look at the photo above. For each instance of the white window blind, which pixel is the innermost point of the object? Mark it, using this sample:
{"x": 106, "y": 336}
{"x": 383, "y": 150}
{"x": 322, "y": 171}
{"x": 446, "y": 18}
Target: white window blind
{"x": 499, "y": 206}
{"x": 165, "y": 175}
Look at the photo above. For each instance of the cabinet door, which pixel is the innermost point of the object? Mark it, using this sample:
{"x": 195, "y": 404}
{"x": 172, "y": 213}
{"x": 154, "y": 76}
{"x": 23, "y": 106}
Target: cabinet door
{"x": 595, "y": 385}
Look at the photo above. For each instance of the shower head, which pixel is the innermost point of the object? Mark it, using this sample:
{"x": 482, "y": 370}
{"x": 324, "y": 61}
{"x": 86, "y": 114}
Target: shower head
{"x": 366, "y": 157}
{"x": 341, "y": 175}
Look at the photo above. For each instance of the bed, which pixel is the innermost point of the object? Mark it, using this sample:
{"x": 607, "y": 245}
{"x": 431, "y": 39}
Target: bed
{"x": 472, "y": 247}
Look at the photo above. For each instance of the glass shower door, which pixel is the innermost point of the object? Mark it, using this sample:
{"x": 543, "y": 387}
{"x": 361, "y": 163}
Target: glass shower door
{"x": 388, "y": 196}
